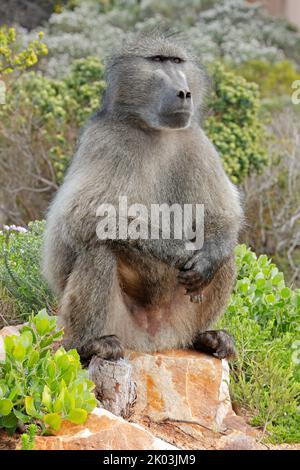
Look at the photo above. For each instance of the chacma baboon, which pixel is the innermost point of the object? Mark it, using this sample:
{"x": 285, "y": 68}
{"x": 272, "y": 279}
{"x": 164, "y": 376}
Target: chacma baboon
{"x": 146, "y": 144}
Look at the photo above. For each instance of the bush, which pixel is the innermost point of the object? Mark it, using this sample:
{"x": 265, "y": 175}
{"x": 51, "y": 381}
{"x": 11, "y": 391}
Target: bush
{"x": 233, "y": 30}
{"x": 12, "y": 58}
{"x": 38, "y": 386}
{"x": 273, "y": 79}
{"x": 271, "y": 199}
{"x": 20, "y": 276}
{"x": 264, "y": 316}
{"x": 38, "y": 131}
{"x": 234, "y": 127}
{"x": 241, "y": 31}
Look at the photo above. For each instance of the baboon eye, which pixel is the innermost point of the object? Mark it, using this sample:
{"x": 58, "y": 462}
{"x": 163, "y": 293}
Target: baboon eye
{"x": 177, "y": 60}
{"x": 157, "y": 58}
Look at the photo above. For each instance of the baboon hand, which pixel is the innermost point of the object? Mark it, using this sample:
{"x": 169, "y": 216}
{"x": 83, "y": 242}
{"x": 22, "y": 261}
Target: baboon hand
{"x": 197, "y": 273}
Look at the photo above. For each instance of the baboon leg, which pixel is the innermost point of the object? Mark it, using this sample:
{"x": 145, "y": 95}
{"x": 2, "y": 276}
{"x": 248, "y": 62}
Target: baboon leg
{"x": 85, "y": 305}
{"x": 219, "y": 343}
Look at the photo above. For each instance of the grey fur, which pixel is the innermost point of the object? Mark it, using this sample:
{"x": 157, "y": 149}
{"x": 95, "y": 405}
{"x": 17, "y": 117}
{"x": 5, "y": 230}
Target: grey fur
{"x": 136, "y": 146}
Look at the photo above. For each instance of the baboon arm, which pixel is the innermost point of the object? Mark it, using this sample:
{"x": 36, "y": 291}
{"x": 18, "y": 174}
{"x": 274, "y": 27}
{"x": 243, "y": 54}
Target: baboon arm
{"x": 58, "y": 261}
{"x": 219, "y": 242}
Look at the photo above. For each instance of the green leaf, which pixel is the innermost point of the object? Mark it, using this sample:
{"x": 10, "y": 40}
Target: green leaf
{"x": 77, "y": 416}
{"x": 5, "y": 406}
{"x": 68, "y": 402}
{"x": 277, "y": 279}
{"x": 51, "y": 369}
{"x": 9, "y": 343}
{"x": 42, "y": 322}
{"x": 19, "y": 352}
{"x": 285, "y": 293}
{"x": 46, "y": 341}
{"x": 260, "y": 283}
{"x": 42, "y": 326}
{"x": 14, "y": 392}
{"x": 3, "y": 389}
{"x": 58, "y": 406}
{"x": 9, "y": 422}
{"x": 244, "y": 285}
{"x": 29, "y": 406}
{"x": 53, "y": 420}
{"x": 22, "y": 417}
{"x": 33, "y": 358}
{"x": 90, "y": 403}
{"x": 26, "y": 339}
{"x": 270, "y": 298}
{"x": 63, "y": 362}
{"x": 3, "y": 386}
{"x": 74, "y": 354}
{"x": 57, "y": 335}
{"x": 46, "y": 397}
{"x": 60, "y": 352}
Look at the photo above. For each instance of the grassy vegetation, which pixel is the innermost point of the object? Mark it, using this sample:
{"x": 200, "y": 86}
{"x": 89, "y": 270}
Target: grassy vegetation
{"x": 22, "y": 289}
{"x": 264, "y": 317}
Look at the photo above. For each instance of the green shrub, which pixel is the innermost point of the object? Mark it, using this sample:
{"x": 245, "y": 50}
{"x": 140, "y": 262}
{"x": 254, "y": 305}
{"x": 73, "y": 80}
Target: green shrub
{"x": 20, "y": 276}
{"x": 234, "y": 126}
{"x": 55, "y": 109}
{"x": 12, "y": 58}
{"x": 273, "y": 79}
{"x": 261, "y": 289}
{"x": 39, "y": 386}
{"x": 233, "y": 30}
{"x": 264, "y": 317}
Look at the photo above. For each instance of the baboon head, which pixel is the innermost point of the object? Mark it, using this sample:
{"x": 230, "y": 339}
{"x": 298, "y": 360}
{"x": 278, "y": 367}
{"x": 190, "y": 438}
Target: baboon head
{"x": 154, "y": 83}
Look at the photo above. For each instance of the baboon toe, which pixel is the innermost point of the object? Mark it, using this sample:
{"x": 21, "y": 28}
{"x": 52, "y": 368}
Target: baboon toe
{"x": 219, "y": 343}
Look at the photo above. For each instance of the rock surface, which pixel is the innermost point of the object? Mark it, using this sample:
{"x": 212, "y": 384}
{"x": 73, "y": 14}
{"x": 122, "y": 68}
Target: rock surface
{"x": 183, "y": 396}
{"x": 102, "y": 431}
{"x": 182, "y": 385}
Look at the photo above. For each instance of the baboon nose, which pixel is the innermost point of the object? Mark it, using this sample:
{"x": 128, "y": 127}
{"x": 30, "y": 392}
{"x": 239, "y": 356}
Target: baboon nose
{"x": 184, "y": 94}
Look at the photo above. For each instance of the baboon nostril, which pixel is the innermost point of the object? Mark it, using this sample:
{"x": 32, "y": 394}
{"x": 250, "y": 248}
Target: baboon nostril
{"x": 182, "y": 94}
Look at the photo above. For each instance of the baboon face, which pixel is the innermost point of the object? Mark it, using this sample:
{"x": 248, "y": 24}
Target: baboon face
{"x": 156, "y": 84}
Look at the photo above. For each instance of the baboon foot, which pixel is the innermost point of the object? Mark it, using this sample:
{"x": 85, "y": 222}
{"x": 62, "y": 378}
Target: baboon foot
{"x": 219, "y": 343}
{"x": 107, "y": 347}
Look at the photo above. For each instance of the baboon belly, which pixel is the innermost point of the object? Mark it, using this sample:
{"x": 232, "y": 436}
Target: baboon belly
{"x": 150, "y": 291}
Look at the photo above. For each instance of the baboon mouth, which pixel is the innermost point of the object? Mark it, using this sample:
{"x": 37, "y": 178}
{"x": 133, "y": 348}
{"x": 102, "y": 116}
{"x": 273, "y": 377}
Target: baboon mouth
{"x": 182, "y": 112}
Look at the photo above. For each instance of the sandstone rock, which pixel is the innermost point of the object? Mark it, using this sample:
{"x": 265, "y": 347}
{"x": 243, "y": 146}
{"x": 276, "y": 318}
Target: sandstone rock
{"x": 102, "y": 431}
{"x": 183, "y": 397}
{"x": 237, "y": 440}
{"x": 182, "y": 385}
{"x": 6, "y": 331}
